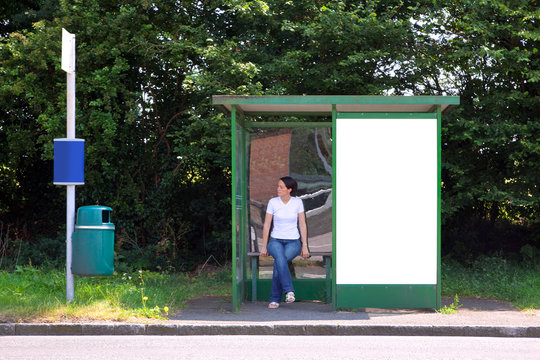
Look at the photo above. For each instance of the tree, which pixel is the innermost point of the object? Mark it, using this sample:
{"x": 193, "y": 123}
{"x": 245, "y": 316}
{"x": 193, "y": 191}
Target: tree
{"x": 488, "y": 53}
{"x": 19, "y": 15}
{"x": 132, "y": 58}
{"x": 158, "y": 153}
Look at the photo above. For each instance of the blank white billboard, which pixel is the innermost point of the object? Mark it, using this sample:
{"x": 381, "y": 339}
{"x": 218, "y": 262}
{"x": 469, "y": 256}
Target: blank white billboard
{"x": 386, "y": 201}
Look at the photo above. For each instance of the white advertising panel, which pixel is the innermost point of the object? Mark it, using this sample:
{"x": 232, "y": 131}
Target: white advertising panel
{"x": 386, "y": 201}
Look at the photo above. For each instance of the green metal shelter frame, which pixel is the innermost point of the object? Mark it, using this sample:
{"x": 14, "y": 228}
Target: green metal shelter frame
{"x": 249, "y": 111}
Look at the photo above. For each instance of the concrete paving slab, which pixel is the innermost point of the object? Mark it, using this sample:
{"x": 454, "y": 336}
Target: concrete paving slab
{"x": 65, "y": 329}
{"x": 129, "y": 329}
{"x": 161, "y": 329}
{"x": 31, "y": 329}
{"x": 7, "y": 329}
{"x": 98, "y": 329}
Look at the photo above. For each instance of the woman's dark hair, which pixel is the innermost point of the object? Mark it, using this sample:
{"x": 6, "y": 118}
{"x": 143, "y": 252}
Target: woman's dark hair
{"x": 290, "y": 183}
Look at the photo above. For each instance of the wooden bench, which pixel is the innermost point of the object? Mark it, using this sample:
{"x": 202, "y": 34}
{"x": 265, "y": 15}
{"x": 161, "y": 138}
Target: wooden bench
{"x": 327, "y": 258}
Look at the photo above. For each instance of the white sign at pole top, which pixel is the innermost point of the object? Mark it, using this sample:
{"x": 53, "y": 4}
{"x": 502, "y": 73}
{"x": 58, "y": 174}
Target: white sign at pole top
{"x": 68, "y": 51}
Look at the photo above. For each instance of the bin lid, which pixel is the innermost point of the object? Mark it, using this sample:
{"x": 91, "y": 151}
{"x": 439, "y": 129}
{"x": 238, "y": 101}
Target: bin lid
{"x": 93, "y": 215}
{"x": 95, "y": 227}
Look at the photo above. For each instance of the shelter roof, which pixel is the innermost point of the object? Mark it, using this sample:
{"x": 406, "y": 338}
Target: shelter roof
{"x": 322, "y": 104}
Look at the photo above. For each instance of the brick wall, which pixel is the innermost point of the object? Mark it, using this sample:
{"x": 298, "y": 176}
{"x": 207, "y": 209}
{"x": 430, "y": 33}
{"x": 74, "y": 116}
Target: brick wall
{"x": 269, "y": 161}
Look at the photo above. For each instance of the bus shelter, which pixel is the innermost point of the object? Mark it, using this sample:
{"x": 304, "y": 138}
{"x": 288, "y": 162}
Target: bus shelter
{"x": 369, "y": 174}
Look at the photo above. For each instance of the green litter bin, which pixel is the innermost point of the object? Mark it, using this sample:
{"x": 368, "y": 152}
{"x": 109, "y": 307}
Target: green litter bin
{"x": 93, "y": 242}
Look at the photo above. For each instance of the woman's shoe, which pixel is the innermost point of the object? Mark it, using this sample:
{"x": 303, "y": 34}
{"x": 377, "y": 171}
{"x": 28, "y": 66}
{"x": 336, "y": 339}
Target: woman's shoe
{"x": 273, "y": 305}
{"x": 289, "y": 297}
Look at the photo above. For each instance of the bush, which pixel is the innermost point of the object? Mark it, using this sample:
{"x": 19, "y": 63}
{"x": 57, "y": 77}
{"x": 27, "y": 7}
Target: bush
{"x": 45, "y": 253}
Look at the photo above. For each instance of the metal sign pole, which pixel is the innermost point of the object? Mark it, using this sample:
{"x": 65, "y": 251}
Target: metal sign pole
{"x": 68, "y": 65}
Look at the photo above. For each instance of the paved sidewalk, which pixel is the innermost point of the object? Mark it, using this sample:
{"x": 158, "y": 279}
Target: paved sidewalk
{"x": 214, "y": 316}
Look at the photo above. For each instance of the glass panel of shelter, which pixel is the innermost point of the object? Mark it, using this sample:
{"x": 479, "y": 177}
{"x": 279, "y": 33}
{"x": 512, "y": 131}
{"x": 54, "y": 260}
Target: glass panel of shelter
{"x": 306, "y": 155}
{"x": 239, "y": 204}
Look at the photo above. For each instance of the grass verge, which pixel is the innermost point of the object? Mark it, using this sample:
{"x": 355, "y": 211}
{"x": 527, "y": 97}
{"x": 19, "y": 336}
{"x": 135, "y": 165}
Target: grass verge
{"x": 493, "y": 278}
{"x": 34, "y": 295}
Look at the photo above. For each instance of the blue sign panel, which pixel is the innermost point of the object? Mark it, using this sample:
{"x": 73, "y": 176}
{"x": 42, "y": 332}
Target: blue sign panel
{"x": 68, "y": 161}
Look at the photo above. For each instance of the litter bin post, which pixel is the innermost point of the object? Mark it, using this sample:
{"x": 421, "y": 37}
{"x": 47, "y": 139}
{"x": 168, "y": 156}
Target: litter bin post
{"x": 93, "y": 241}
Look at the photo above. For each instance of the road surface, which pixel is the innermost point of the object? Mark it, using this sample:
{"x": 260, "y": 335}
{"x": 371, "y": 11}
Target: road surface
{"x": 266, "y": 347}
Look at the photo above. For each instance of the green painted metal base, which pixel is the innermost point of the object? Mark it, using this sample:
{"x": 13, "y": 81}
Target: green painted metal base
{"x": 304, "y": 289}
{"x": 387, "y": 296}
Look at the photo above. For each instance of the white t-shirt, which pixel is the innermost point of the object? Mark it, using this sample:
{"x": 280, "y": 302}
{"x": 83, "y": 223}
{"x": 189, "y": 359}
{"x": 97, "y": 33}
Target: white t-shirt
{"x": 285, "y": 217}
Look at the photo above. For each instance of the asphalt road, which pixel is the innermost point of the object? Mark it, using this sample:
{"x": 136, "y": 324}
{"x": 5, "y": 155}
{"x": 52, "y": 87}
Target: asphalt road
{"x": 266, "y": 347}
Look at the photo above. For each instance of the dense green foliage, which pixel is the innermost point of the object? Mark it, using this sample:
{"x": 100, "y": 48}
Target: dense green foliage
{"x": 491, "y": 150}
{"x": 159, "y": 154}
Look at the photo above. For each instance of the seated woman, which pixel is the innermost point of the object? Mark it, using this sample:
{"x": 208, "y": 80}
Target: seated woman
{"x": 288, "y": 238}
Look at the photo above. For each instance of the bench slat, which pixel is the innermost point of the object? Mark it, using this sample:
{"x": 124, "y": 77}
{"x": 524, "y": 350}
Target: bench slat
{"x": 312, "y": 253}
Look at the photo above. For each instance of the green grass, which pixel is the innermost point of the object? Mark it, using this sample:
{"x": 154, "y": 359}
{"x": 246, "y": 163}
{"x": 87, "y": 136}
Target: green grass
{"x": 494, "y": 278}
{"x": 30, "y": 294}
{"x": 452, "y": 308}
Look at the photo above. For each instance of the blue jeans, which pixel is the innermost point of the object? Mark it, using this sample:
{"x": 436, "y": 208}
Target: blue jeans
{"x": 283, "y": 251}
